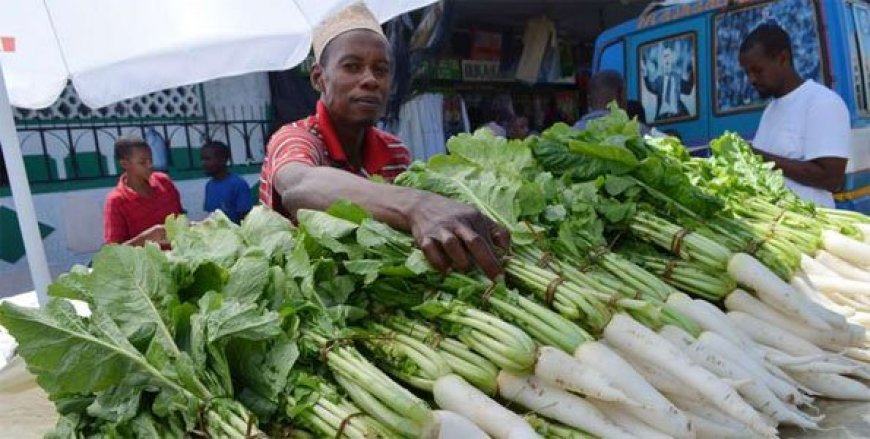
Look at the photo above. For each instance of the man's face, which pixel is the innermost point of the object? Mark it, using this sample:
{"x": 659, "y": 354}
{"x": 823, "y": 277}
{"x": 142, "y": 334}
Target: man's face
{"x": 519, "y": 128}
{"x": 667, "y": 59}
{"x": 138, "y": 163}
{"x": 213, "y": 161}
{"x": 765, "y": 72}
{"x": 354, "y": 77}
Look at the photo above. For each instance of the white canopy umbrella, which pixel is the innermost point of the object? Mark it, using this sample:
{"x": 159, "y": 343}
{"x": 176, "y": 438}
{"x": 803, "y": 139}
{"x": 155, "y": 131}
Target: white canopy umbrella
{"x": 113, "y": 50}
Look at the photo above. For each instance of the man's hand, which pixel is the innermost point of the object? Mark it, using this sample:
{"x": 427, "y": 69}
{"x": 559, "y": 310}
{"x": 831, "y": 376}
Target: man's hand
{"x": 453, "y": 234}
{"x": 826, "y": 173}
{"x": 154, "y": 234}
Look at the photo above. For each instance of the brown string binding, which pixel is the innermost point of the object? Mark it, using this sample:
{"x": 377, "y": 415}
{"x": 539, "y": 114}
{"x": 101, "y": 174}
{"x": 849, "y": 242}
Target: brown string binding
{"x": 487, "y": 294}
{"x": 546, "y": 259}
{"x": 677, "y": 241}
{"x": 669, "y": 269}
{"x": 551, "y": 290}
{"x": 754, "y": 246}
{"x": 344, "y": 423}
{"x": 250, "y": 428}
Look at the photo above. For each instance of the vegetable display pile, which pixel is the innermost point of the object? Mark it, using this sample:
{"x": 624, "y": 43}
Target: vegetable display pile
{"x": 648, "y": 294}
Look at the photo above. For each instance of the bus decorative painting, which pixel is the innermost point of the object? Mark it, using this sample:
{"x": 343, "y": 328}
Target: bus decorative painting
{"x": 734, "y": 92}
{"x": 667, "y": 78}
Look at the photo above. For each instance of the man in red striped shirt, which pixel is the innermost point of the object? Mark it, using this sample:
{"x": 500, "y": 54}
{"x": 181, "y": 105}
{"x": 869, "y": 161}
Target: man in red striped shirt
{"x": 326, "y": 157}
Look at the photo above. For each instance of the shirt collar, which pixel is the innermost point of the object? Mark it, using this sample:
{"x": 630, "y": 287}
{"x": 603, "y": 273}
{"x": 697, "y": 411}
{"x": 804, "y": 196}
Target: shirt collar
{"x": 375, "y": 151}
{"x": 127, "y": 191}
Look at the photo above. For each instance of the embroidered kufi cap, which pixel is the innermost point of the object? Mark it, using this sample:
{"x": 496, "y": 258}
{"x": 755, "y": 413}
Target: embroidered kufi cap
{"x": 354, "y": 17}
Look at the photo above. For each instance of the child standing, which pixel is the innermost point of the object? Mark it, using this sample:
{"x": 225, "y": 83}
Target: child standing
{"x": 225, "y": 191}
{"x": 137, "y": 207}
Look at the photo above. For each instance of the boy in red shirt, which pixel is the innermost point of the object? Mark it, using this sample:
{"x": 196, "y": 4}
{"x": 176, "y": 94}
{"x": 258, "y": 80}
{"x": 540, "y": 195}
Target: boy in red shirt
{"x": 139, "y": 204}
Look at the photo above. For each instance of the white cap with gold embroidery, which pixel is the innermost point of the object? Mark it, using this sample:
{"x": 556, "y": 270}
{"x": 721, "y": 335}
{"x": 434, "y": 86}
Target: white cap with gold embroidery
{"x": 354, "y": 17}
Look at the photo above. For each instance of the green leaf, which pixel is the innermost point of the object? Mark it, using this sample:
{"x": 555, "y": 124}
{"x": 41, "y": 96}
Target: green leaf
{"x": 417, "y": 263}
{"x": 134, "y": 286}
{"x": 241, "y": 321}
{"x": 367, "y": 268}
{"x": 322, "y": 225}
{"x": 487, "y": 151}
{"x": 432, "y": 309}
{"x": 372, "y": 233}
{"x": 346, "y": 210}
{"x": 206, "y": 277}
{"x": 70, "y": 356}
{"x": 73, "y": 285}
{"x": 615, "y": 185}
{"x": 67, "y": 427}
{"x": 215, "y": 239}
{"x": 265, "y": 228}
{"x": 615, "y": 153}
{"x": 336, "y": 290}
{"x": 264, "y": 366}
{"x": 120, "y": 403}
{"x": 248, "y": 277}
{"x": 298, "y": 263}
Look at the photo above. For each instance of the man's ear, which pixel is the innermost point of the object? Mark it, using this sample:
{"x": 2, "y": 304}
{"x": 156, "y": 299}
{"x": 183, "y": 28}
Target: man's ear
{"x": 784, "y": 58}
{"x": 317, "y": 77}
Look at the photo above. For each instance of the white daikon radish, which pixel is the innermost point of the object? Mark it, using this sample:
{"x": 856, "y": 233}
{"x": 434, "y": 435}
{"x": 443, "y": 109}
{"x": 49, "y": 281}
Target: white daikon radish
{"x": 754, "y": 390}
{"x": 860, "y": 354}
{"x": 654, "y": 408}
{"x": 748, "y": 271}
{"x": 448, "y": 425}
{"x": 554, "y": 403}
{"x": 808, "y": 290}
{"x": 564, "y": 371}
{"x": 710, "y": 318}
{"x": 622, "y": 417}
{"x": 842, "y": 267}
{"x": 740, "y": 300}
{"x": 852, "y": 250}
{"x": 770, "y": 335}
{"x": 801, "y": 283}
{"x": 703, "y": 408}
{"x": 812, "y": 267}
{"x": 453, "y": 393}
{"x": 760, "y": 369}
{"x": 834, "y": 386}
{"x": 629, "y": 336}
{"x": 856, "y": 289}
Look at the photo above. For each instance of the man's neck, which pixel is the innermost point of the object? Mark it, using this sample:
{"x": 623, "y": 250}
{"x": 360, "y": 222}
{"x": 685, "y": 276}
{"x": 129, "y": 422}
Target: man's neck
{"x": 139, "y": 185}
{"x": 352, "y": 139}
{"x": 791, "y": 83}
{"x": 222, "y": 174}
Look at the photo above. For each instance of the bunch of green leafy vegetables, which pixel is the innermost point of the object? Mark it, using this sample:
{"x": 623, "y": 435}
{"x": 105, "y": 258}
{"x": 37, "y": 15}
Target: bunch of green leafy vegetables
{"x": 612, "y": 146}
{"x": 196, "y": 340}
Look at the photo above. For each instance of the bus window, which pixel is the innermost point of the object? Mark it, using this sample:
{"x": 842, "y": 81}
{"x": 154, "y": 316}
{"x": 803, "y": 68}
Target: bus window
{"x": 732, "y": 90}
{"x": 861, "y": 56}
{"x": 613, "y": 58}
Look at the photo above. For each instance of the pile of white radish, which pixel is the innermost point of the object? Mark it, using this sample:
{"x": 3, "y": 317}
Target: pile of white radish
{"x": 838, "y": 278}
{"x": 757, "y": 365}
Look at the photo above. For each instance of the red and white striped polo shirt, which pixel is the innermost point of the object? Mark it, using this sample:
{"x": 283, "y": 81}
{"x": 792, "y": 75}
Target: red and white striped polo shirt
{"x": 314, "y": 142}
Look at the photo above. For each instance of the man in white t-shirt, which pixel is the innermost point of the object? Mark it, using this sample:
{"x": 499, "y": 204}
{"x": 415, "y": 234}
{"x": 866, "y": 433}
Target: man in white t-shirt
{"x": 805, "y": 129}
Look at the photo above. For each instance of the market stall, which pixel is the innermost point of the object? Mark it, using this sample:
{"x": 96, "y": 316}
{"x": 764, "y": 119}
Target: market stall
{"x": 647, "y": 294}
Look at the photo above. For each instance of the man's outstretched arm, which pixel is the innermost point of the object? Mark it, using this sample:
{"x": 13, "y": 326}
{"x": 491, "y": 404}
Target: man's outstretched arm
{"x": 450, "y": 234}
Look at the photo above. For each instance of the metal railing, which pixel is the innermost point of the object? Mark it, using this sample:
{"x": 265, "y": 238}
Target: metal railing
{"x": 76, "y": 151}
